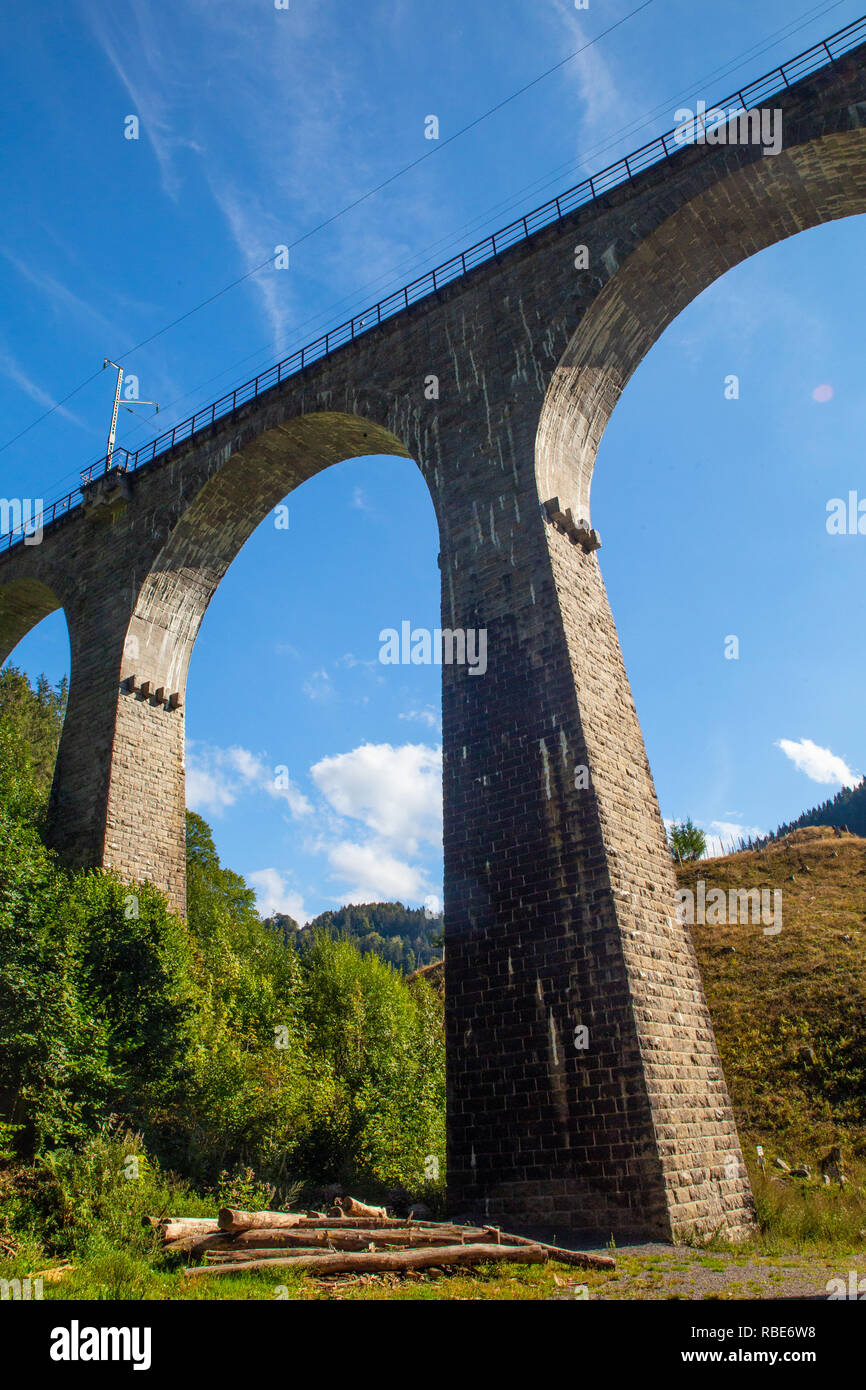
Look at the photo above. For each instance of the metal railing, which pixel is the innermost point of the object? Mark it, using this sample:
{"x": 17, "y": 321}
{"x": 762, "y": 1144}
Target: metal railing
{"x": 773, "y": 83}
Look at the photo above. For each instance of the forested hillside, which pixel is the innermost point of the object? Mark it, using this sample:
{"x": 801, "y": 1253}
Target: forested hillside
{"x": 407, "y": 938}
{"x": 846, "y": 809}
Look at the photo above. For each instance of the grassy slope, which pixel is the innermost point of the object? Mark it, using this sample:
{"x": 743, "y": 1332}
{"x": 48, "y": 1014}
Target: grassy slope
{"x": 789, "y": 1011}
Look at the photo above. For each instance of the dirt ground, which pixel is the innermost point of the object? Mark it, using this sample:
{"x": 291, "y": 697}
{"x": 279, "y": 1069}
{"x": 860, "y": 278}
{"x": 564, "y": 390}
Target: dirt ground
{"x": 665, "y": 1272}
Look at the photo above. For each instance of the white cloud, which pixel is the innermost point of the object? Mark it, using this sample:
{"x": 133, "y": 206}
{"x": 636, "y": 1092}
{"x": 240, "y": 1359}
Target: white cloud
{"x": 818, "y": 763}
{"x": 423, "y": 716}
{"x": 318, "y": 686}
{"x": 207, "y": 791}
{"x": 273, "y": 894}
{"x": 350, "y": 660}
{"x": 724, "y": 835}
{"x": 372, "y": 874}
{"x": 246, "y": 764}
{"x": 394, "y": 792}
{"x": 216, "y": 777}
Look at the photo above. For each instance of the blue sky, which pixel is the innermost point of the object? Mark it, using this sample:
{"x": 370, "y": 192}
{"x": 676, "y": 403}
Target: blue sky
{"x": 255, "y": 125}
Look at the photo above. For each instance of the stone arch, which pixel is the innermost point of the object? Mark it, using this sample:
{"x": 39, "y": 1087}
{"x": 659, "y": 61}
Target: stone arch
{"x": 24, "y": 602}
{"x": 216, "y": 523}
{"x": 145, "y": 804}
{"x": 759, "y": 204}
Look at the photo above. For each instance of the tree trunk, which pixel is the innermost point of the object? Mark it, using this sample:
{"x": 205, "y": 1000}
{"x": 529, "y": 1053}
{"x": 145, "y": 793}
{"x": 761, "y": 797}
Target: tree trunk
{"x": 383, "y": 1261}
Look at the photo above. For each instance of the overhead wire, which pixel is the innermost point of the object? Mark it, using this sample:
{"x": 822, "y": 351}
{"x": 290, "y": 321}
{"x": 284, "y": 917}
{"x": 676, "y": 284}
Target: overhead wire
{"x": 389, "y": 277}
{"x": 334, "y": 217}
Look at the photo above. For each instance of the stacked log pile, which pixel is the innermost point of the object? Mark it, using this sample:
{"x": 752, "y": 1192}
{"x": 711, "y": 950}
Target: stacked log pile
{"x": 354, "y": 1238}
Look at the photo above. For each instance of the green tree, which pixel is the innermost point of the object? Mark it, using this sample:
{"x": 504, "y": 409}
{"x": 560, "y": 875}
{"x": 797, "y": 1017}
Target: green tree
{"x": 687, "y": 842}
{"x": 33, "y": 719}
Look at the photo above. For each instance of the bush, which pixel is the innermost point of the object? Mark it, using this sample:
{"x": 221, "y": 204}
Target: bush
{"x": 225, "y": 1050}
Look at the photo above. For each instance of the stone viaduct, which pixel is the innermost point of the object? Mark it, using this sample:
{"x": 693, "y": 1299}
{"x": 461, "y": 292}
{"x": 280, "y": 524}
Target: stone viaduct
{"x": 558, "y": 896}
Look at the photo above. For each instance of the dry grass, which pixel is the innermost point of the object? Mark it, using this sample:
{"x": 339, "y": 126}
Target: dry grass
{"x": 789, "y": 1011}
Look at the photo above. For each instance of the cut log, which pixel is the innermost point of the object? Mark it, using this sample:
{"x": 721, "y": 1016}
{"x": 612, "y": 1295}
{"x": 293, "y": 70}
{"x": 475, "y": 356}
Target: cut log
{"x": 278, "y": 1238}
{"x": 198, "y": 1241}
{"x": 180, "y": 1230}
{"x": 258, "y": 1247}
{"x": 55, "y": 1273}
{"x": 388, "y": 1223}
{"x": 245, "y": 1257}
{"x": 381, "y": 1261}
{"x": 342, "y": 1240}
{"x": 352, "y": 1207}
{"x": 174, "y": 1226}
{"x": 231, "y": 1220}
{"x": 365, "y": 1222}
{"x": 564, "y": 1257}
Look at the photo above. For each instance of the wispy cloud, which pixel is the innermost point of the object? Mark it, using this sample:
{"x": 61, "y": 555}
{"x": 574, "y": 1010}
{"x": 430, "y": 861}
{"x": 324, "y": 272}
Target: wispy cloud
{"x": 16, "y": 373}
{"x": 256, "y": 232}
{"x": 589, "y": 74}
{"x": 318, "y": 686}
{"x": 59, "y": 294}
{"x": 428, "y": 716}
{"x": 723, "y": 835}
{"x": 217, "y": 777}
{"x": 128, "y": 40}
